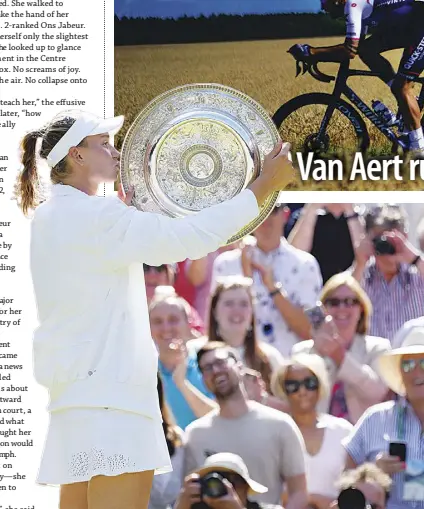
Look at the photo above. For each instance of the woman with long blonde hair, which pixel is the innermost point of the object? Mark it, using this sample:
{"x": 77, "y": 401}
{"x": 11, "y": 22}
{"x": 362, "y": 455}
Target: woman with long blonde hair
{"x": 351, "y": 355}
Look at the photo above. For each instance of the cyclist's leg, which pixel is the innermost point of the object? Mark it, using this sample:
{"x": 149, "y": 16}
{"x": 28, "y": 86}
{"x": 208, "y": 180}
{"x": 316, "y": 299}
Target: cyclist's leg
{"x": 370, "y": 53}
{"x": 391, "y": 33}
{"x": 410, "y": 68}
{"x": 403, "y": 89}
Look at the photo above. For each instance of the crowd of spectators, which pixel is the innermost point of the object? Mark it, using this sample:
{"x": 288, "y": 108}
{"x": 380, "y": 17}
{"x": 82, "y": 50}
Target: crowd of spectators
{"x": 291, "y": 365}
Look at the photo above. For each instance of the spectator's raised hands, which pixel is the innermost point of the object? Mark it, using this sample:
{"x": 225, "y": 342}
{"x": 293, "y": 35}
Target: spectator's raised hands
{"x": 190, "y": 492}
{"x": 180, "y": 371}
{"x": 327, "y": 341}
{"x": 389, "y": 464}
{"x": 247, "y": 260}
{"x": 267, "y": 275}
{"x": 249, "y": 266}
{"x": 229, "y": 501}
{"x": 405, "y": 251}
{"x": 364, "y": 250}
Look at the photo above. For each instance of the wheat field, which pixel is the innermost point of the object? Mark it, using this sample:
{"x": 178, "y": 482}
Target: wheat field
{"x": 263, "y": 70}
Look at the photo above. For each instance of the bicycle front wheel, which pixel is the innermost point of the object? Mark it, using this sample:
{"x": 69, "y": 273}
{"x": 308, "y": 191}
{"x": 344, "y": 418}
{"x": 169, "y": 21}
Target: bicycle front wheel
{"x": 303, "y": 122}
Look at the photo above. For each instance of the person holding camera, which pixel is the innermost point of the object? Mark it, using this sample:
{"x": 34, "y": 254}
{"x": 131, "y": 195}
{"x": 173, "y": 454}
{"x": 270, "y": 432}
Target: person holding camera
{"x": 390, "y": 434}
{"x": 268, "y": 440}
{"x": 362, "y": 487}
{"x": 222, "y": 483}
{"x": 390, "y": 269}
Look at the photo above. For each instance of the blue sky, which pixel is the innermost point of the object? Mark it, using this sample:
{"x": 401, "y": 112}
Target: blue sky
{"x": 177, "y": 8}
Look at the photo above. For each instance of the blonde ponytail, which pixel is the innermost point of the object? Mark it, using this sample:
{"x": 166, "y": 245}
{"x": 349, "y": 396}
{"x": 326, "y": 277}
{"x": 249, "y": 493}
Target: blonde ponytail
{"x": 27, "y": 184}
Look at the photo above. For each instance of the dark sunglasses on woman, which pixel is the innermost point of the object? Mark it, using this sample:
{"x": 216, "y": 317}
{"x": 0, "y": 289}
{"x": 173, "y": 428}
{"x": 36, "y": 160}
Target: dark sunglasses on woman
{"x": 335, "y": 302}
{"x": 310, "y": 383}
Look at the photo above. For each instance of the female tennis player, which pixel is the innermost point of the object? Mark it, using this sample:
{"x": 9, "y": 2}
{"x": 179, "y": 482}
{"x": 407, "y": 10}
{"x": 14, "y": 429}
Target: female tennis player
{"x": 93, "y": 349}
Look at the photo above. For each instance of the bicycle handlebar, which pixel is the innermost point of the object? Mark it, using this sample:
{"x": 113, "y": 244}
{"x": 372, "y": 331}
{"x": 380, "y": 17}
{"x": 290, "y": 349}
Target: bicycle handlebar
{"x": 313, "y": 70}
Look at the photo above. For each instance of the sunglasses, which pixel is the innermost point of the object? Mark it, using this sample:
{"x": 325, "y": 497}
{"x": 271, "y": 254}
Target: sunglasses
{"x": 310, "y": 383}
{"x": 159, "y": 268}
{"x": 335, "y": 302}
{"x": 409, "y": 365}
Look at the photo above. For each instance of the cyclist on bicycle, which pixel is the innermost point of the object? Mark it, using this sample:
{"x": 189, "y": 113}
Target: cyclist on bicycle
{"x": 398, "y": 24}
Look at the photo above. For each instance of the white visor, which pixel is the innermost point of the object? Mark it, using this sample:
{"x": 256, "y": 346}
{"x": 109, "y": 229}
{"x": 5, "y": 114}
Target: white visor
{"x": 85, "y": 125}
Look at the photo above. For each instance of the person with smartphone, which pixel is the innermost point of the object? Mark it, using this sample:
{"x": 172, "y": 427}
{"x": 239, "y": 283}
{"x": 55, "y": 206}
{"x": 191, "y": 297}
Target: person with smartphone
{"x": 390, "y": 270}
{"x": 390, "y": 434}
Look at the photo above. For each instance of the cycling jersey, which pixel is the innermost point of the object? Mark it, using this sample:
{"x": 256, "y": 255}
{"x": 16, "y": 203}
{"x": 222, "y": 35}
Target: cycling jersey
{"x": 398, "y": 24}
{"x": 360, "y": 14}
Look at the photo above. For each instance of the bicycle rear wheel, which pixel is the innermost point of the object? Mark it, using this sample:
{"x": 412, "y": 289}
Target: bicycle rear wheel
{"x": 301, "y": 122}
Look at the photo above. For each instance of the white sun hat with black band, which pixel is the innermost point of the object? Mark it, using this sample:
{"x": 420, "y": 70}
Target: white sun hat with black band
{"x": 229, "y": 462}
{"x": 390, "y": 362}
{"x": 86, "y": 124}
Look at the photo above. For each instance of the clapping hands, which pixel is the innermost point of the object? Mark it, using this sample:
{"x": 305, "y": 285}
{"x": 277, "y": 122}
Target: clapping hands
{"x": 327, "y": 341}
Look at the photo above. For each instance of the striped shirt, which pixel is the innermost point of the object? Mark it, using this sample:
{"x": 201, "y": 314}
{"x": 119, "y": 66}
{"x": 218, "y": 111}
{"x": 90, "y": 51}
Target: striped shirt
{"x": 372, "y": 434}
{"x": 394, "y": 302}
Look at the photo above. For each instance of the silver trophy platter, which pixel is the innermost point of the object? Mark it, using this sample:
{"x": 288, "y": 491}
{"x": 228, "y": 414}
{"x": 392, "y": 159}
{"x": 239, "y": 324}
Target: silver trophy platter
{"x": 196, "y": 146}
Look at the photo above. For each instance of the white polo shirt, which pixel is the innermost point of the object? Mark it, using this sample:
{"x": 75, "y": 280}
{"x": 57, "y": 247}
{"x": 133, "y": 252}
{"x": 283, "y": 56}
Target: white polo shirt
{"x": 93, "y": 345}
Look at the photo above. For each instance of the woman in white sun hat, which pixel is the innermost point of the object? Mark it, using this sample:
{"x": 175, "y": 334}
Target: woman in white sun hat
{"x": 93, "y": 349}
{"x": 397, "y": 421}
{"x": 239, "y": 486}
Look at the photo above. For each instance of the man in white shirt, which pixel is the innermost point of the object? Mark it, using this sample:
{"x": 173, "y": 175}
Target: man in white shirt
{"x": 285, "y": 281}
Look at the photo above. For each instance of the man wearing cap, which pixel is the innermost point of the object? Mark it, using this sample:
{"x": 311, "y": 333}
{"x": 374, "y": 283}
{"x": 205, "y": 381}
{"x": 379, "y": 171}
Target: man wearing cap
{"x": 397, "y": 421}
{"x": 236, "y": 479}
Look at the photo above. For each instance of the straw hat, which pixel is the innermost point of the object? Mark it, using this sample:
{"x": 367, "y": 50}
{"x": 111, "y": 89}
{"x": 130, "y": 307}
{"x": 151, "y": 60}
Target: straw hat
{"x": 311, "y": 361}
{"x": 389, "y": 363}
{"x": 228, "y": 462}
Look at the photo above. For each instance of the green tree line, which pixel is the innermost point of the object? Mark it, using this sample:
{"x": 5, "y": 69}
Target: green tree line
{"x": 220, "y": 28}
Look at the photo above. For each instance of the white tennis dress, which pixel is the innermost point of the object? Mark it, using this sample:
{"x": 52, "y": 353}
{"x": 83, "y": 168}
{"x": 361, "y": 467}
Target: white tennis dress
{"x": 93, "y": 349}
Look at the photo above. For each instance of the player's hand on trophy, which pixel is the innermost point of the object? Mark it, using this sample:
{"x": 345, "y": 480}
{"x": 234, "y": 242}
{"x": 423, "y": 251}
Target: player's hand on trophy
{"x": 278, "y": 168}
{"x": 125, "y": 197}
{"x": 276, "y": 174}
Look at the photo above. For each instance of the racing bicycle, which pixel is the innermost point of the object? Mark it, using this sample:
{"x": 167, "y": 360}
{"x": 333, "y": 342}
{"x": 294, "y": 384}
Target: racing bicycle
{"x": 326, "y": 123}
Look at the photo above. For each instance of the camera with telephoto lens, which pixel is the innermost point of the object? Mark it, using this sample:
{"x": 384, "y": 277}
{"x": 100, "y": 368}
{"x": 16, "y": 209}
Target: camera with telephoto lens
{"x": 212, "y": 485}
{"x": 382, "y": 246}
{"x": 352, "y": 498}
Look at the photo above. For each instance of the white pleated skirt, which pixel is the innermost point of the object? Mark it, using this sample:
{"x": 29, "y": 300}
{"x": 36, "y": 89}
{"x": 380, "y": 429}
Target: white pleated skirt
{"x": 85, "y": 442}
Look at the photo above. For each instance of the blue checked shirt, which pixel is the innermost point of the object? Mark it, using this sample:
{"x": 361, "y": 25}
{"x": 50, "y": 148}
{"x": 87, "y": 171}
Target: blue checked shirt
{"x": 394, "y": 302}
{"x": 377, "y": 427}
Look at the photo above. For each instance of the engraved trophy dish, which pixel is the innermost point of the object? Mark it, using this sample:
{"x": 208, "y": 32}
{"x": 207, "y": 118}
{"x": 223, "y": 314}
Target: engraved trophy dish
{"x": 196, "y": 146}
